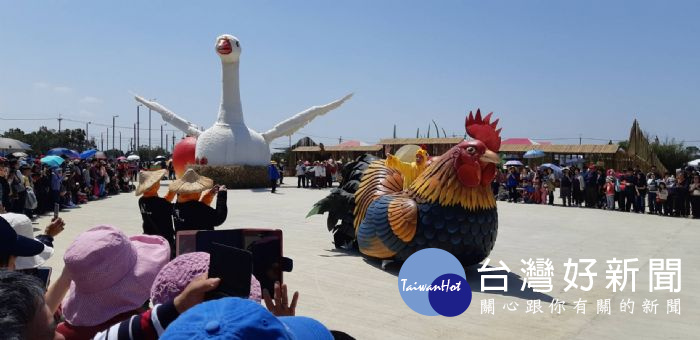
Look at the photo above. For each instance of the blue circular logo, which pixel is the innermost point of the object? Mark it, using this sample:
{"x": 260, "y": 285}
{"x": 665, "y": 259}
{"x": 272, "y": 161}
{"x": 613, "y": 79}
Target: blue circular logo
{"x": 432, "y": 282}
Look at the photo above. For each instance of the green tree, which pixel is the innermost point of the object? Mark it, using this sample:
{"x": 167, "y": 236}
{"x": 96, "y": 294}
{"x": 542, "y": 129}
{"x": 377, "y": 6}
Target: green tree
{"x": 45, "y": 139}
{"x": 147, "y": 155}
{"x": 671, "y": 153}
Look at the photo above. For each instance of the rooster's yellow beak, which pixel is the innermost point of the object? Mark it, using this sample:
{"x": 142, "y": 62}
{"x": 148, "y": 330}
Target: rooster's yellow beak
{"x": 490, "y": 157}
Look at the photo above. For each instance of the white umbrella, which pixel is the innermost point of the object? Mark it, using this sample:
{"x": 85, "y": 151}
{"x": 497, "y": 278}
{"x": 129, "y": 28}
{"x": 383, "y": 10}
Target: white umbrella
{"x": 133, "y": 158}
{"x": 13, "y": 144}
{"x": 694, "y": 162}
{"x": 514, "y": 163}
{"x": 20, "y": 154}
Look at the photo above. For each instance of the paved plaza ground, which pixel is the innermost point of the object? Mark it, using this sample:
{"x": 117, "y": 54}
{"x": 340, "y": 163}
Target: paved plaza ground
{"x": 349, "y": 293}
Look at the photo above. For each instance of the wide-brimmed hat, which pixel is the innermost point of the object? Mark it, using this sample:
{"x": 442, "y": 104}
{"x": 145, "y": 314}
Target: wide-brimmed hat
{"x": 147, "y": 179}
{"x": 23, "y": 227}
{"x": 190, "y": 183}
{"x": 178, "y": 273}
{"x": 235, "y": 318}
{"x": 17, "y": 245}
{"x": 111, "y": 273}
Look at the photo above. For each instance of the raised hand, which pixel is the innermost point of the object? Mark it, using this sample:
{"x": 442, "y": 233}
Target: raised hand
{"x": 280, "y": 305}
{"x": 55, "y": 227}
{"x": 194, "y": 293}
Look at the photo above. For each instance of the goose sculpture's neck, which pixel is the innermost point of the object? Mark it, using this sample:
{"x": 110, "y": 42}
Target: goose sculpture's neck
{"x": 231, "y": 110}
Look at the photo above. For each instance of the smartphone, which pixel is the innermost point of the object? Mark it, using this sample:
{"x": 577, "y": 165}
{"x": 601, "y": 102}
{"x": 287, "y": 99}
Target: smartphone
{"x": 44, "y": 274}
{"x": 234, "y": 267}
{"x": 56, "y": 208}
{"x": 264, "y": 244}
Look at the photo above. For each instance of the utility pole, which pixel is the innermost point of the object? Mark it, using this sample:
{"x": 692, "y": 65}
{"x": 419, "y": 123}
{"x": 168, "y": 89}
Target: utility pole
{"x": 87, "y": 134}
{"x": 133, "y": 143}
{"x": 59, "y": 122}
{"x": 173, "y": 149}
{"x": 166, "y": 143}
{"x": 138, "y": 126}
{"x": 579, "y": 139}
{"x": 113, "y": 130}
{"x": 120, "y": 141}
{"x": 108, "y": 140}
{"x": 161, "y": 135}
{"x": 149, "y": 134}
{"x": 340, "y": 140}
{"x": 102, "y": 141}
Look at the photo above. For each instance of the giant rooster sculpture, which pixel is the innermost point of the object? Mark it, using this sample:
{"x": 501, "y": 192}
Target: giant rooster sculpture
{"x": 449, "y": 206}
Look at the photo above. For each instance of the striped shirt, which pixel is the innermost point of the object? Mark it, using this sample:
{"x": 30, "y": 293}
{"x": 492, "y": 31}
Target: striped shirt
{"x": 145, "y": 326}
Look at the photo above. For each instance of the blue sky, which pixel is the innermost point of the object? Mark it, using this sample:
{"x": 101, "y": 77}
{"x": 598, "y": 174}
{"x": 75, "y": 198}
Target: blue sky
{"x": 548, "y": 69}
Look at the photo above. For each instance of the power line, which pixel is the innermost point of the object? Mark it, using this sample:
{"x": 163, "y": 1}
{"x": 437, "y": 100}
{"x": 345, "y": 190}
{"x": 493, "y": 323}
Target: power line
{"x": 130, "y": 128}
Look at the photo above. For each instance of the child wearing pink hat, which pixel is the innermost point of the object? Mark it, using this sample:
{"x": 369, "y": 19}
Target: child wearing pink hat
{"x": 111, "y": 278}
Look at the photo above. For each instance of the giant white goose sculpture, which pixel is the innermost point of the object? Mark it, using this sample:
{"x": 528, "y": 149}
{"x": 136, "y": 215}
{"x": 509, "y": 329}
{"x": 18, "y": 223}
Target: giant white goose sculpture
{"x": 229, "y": 141}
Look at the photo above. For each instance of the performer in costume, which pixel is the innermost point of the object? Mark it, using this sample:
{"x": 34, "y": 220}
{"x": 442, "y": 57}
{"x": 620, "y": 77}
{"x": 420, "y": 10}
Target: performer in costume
{"x": 409, "y": 171}
{"x": 191, "y": 213}
{"x": 156, "y": 211}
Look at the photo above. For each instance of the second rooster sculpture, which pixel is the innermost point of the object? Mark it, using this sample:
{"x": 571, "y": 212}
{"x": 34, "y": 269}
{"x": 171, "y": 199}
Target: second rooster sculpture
{"x": 449, "y": 206}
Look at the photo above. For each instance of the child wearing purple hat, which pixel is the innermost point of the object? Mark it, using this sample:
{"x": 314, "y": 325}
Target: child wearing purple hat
{"x": 176, "y": 275}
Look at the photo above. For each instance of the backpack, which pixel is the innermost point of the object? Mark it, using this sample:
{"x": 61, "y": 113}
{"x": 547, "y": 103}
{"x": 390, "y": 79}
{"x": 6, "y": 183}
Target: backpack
{"x": 31, "y": 202}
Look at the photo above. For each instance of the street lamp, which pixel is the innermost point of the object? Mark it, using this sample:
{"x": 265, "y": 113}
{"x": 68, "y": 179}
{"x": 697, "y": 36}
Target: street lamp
{"x": 149, "y": 131}
{"x": 113, "y": 117}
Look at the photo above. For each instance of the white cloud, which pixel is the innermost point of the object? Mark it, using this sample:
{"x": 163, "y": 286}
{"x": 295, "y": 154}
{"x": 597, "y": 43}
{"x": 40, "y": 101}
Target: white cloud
{"x": 41, "y": 85}
{"x": 91, "y": 100}
{"x": 63, "y": 89}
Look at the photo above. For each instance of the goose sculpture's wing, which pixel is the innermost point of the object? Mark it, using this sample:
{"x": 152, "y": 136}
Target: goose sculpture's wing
{"x": 170, "y": 117}
{"x": 291, "y": 125}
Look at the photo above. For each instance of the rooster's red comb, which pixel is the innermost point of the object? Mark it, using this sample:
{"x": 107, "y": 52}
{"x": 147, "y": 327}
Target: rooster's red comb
{"x": 484, "y": 130}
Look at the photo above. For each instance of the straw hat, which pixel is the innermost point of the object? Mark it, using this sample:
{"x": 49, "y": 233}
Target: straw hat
{"x": 147, "y": 179}
{"x": 190, "y": 183}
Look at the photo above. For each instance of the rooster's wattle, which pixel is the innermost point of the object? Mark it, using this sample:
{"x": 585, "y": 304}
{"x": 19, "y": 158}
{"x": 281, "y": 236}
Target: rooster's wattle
{"x": 449, "y": 206}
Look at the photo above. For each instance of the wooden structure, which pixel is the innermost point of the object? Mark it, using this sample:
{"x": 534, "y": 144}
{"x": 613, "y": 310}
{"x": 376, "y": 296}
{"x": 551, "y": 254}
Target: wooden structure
{"x": 606, "y": 155}
{"x": 434, "y": 146}
{"x": 337, "y": 152}
{"x": 640, "y": 150}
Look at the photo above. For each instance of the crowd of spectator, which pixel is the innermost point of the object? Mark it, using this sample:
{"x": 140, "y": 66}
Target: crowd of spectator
{"x": 32, "y": 188}
{"x": 319, "y": 174}
{"x": 629, "y": 190}
{"x": 114, "y": 286}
